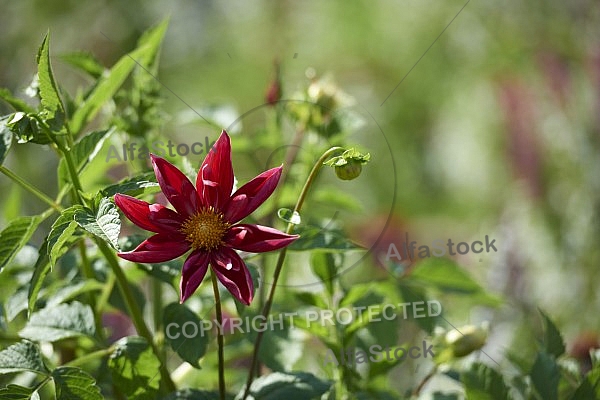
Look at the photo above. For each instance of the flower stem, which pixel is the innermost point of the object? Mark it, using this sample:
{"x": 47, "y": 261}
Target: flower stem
{"x": 31, "y": 189}
{"x": 132, "y": 307}
{"x": 219, "y": 336}
{"x": 134, "y": 310}
{"x": 267, "y": 308}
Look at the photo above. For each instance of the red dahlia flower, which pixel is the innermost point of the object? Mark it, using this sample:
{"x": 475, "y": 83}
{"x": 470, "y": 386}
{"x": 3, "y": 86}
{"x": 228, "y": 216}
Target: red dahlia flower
{"x": 205, "y": 220}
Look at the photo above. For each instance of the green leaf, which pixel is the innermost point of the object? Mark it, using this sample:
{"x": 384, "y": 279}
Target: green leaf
{"x": 449, "y": 277}
{"x": 15, "y": 236}
{"x": 190, "y": 349}
{"x": 545, "y": 375}
{"x": 75, "y": 384}
{"x": 50, "y": 98}
{"x": 553, "y": 342}
{"x": 446, "y": 275}
{"x": 15, "y": 392}
{"x": 136, "y": 186}
{"x": 311, "y": 299}
{"x": 105, "y": 223}
{"x": 356, "y": 293}
{"x": 40, "y": 270}
{"x": 60, "y": 322}
{"x": 85, "y": 62}
{"x": 5, "y": 139}
{"x": 281, "y": 349}
{"x": 16, "y": 103}
{"x": 27, "y": 129}
{"x": 383, "y": 366}
{"x": 22, "y": 356}
{"x": 110, "y": 82}
{"x": 62, "y": 234}
{"x": 83, "y": 153}
{"x": 484, "y": 383}
{"x": 16, "y": 303}
{"x": 323, "y": 265}
{"x": 134, "y": 368}
{"x": 589, "y": 387}
{"x": 314, "y": 237}
{"x": 291, "y": 386}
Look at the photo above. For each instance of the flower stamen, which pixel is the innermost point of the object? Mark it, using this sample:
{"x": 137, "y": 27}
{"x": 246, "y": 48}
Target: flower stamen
{"x": 205, "y": 230}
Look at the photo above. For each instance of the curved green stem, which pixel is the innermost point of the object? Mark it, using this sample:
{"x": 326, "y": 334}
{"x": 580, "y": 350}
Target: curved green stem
{"x": 219, "y": 336}
{"x": 30, "y": 188}
{"x": 267, "y": 308}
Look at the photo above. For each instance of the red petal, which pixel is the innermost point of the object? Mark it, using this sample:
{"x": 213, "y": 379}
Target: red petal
{"x": 233, "y": 274}
{"x": 257, "y": 238}
{"x": 192, "y": 274}
{"x": 247, "y": 198}
{"x": 151, "y": 217}
{"x": 176, "y": 186}
{"x": 157, "y": 248}
{"x": 215, "y": 177}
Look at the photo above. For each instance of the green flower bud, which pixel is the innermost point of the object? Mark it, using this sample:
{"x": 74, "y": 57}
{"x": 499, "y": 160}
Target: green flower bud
{"x": 348, "y": 171}
{"x": 348, "y": 166}
{"x": 469, "y": 339}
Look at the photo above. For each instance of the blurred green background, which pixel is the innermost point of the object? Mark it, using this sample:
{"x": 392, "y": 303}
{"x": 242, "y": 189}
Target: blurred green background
{"x": 496, "y": 131}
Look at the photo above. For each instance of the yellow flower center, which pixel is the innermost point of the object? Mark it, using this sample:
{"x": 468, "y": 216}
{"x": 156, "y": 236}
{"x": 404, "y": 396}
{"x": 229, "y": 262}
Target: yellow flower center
{"x": 205, "y": 230}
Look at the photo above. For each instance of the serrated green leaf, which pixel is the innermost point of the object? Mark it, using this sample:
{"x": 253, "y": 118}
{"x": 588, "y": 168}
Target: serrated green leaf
{"x": 15, "y": 392}
{"x": 15, "y": 236}
{"x": 5, "y": 139}
{"x": 26, "y": 128}
{"x": 16, "y": 103}
{"x": 289, "y": 386}
{"x": 22, "y": 356}
{"x": 553, "y": 342}
{"x": 111, "y": 81}
{"x": 50, "y": 99}
{"x": 85, "y": 62}
{"x": 545, "y": 375}
{"x": 190, "y": 349}
{"x": 60, "y": 322}
{"x": 105, "y": 223}
{"x": 134, "y": 368}
{"x": 314, "y": 237}
{"x": 136, "y": 186}
{"x": 40, "y": 270}
{"x": 75, "y": 384}
{"x": 82, "y": 153}
{"x": 62, "y": 234}
{"x": 323, "y": 265}
{"x": 484, "y": 383}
